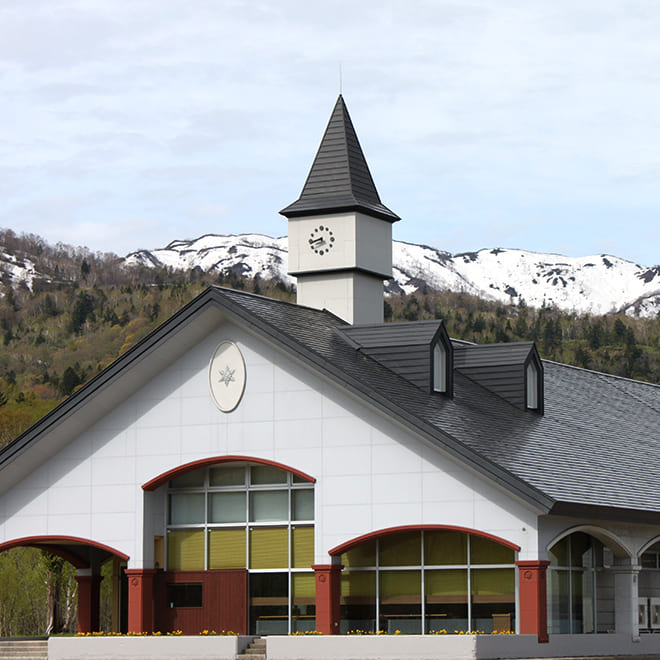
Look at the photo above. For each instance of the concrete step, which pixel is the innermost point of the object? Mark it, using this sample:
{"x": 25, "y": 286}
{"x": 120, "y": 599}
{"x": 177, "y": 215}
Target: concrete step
{"x": 24, "y": 649}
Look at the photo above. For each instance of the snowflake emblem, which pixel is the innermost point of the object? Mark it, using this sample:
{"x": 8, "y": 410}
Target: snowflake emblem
{"x": 227, "y": 376}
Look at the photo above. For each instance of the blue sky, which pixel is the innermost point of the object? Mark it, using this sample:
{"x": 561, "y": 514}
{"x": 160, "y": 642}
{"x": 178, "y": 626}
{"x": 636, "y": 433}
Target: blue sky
{"x": 512, "y": 123}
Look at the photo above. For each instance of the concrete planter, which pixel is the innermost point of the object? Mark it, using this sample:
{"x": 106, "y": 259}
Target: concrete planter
{"x": 143, "y": 648}
{"x": 456, "y": 647}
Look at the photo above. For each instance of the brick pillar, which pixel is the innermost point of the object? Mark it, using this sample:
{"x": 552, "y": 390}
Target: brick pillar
{"x": 89, "y": 609}
{"x": 533, "y": 599}
{"x": 140, "y": 599}
{"x": 328, "y": 580}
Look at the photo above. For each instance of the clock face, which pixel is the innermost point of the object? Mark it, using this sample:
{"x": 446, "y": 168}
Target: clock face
{"x": 321, "y": 240}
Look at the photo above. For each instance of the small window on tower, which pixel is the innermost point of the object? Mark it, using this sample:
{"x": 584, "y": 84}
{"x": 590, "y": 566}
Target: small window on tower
{"x": 532, "y": 377}
{"x": 439, "y": 368}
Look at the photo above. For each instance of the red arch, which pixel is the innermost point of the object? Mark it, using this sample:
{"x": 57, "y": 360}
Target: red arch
{"x": 349, "y": 545}
{"x": 50, "y": 543}
{"x": 163, "y": 478}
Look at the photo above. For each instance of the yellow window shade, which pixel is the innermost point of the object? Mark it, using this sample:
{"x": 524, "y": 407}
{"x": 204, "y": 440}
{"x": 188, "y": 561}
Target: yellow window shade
{"x": 227, "y": 548}
{"x": 491, "y": 581}
{"x": 358, "y": 585}
{"x": 400, "y": 583}
{"x": 185, "y": 550}
{"x": 304, "y": 588}
{"x": 363, "y": 555}
{"x": 445, "y": 547}
{"x": 401, "y": 550}
{"x": 302, "y": 547}
{"x": 446, "y": 583}
{"x": 269, "y": 547}
{"x": 485, "y": 551}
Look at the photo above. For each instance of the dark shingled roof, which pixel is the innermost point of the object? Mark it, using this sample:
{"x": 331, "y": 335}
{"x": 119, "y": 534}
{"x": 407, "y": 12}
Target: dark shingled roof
{"x": 500, "y": 368}
{"x": 596, "y": 446}
{"x": 339, "y": 179}
{"x": 405, "y": 348}
{"x": 595, "y": 449}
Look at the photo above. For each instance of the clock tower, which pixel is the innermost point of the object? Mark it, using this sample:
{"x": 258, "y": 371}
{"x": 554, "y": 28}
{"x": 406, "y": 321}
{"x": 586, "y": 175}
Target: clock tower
{"x": 340, "y": 234}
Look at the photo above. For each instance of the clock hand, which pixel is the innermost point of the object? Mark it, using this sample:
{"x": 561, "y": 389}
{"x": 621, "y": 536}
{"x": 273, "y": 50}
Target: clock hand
{"x": 317, "y": 241}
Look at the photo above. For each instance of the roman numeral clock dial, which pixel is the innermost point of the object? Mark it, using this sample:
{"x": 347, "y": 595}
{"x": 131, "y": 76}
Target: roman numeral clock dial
{"x": 321, "y": 240}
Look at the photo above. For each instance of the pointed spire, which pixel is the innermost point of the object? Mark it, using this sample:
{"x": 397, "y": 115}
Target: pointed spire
{"x": 339, "y": 179}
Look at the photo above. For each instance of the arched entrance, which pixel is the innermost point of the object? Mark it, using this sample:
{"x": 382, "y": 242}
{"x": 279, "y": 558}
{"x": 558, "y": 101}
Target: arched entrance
{"x": 649, "y": 587}
{"x": 88, "y": 558}
{"x": 236, "y": 551}
{"x": 589, "y": 581}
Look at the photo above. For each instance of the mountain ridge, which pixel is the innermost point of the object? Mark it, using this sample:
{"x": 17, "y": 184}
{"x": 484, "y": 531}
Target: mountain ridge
{"x": 595, "y": 284}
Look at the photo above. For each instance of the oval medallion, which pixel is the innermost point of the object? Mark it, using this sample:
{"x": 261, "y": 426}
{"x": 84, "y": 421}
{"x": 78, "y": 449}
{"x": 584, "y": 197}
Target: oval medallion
{"x": 227, "y": 376}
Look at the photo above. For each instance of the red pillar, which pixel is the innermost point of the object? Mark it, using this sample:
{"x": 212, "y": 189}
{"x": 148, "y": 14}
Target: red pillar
{"x": 533, "y": 598}
{"x": 328, "y": 580}
{"x": 140, "y": 599}
{"x": 89, "y": 589}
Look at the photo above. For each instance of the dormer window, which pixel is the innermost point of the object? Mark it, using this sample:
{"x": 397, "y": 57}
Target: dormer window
{"x": 439, "y": 368}
{"x": 532, "y": 386}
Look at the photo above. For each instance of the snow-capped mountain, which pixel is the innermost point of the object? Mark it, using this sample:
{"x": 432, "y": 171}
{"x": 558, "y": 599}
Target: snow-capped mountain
{"x": 596, "y": 284}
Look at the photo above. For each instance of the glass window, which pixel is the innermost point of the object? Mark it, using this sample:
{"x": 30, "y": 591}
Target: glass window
{"x": 269, "y": 505}
{"x": 266, "y": 474}
{"x": 227, "y": 476}
{"x": 194, "y": 479}
{"x": 443, "y": 548}
{"x": 485, "y": 551}
{"x": 186, "y": 508}
{"x": 358, "y": 601}
{"x": 184, "y": 595}
{"x": 401, "y": 549}
{"x": 449, "y": 604}
{"x": 439, "y": 368}
{"x": 269, "y": 603}
{"x": 227, "y": 507}
{"x": 446, "y": 596}
{"x": 361, "y": 555}
{"x": 185, "y": 550}
{"x": 269, "y": 547}
{"x": 227, "y": 548}
{"x": 302, "y": 547}
{"x": 532, "y": 386}
{"x": 302, "y": 505}
{"x": 303, "y": 602}
{"x": 401, "y": 602}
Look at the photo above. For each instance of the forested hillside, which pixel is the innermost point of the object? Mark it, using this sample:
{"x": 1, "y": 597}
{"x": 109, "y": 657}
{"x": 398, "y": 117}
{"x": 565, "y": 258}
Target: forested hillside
{"x": 55, "y": 338}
